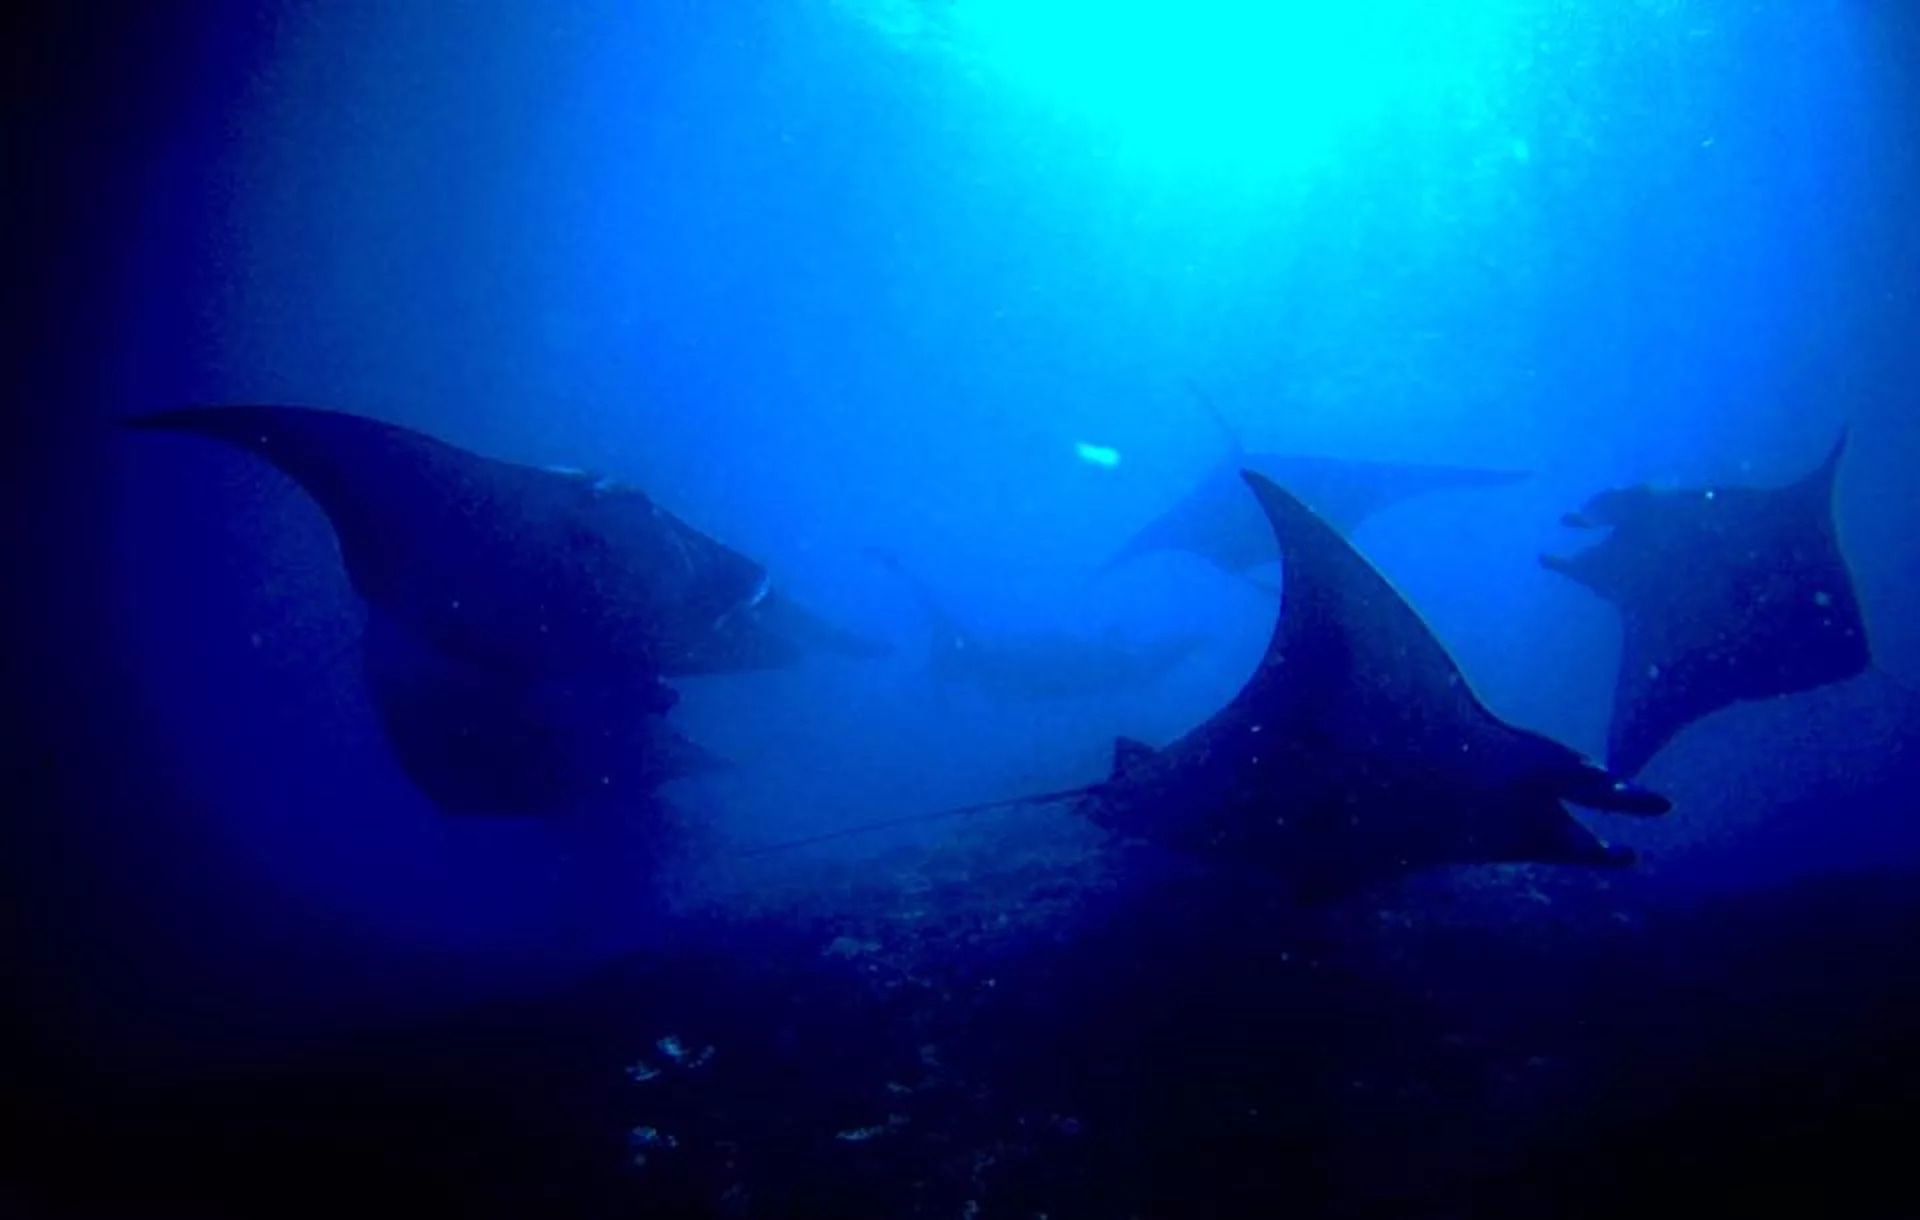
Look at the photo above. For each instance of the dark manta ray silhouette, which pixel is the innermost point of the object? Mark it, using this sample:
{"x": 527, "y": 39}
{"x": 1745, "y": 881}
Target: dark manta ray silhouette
{"x": 524, "y": 570}
{"x": 522, "y": 621}
{"x": 1356, "y": 753}
{"x": 1217, "y": 522}
{"x": 477, "y": 743}
{"x": 1725, "y": 594}
{"x": 1018, "y": 666}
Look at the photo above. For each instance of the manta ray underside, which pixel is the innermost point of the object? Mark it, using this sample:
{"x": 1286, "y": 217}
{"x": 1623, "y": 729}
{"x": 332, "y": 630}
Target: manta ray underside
{"x": 1356, "y": 753}
{"x": 1725, "y": 594}
{"x": 534, "y": 602}
{"x": 1033, "y": 665}
{"x": 477, "y": 743}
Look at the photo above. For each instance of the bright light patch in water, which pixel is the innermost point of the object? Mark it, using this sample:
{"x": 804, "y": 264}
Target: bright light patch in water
{"x": 1097, "y": 455}
{"x": 1252, "y": 84}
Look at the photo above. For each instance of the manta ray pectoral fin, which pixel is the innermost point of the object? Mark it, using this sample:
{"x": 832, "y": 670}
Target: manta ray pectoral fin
{"x": 1129, "y": 755}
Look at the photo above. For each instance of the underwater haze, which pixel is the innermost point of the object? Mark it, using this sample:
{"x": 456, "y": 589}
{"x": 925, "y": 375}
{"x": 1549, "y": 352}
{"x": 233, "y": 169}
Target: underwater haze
{"x": 818, "y": 426}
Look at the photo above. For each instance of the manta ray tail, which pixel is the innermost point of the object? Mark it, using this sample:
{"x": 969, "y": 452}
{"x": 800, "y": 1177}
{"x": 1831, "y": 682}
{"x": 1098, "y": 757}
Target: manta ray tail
{"x": 1056, "y": 797}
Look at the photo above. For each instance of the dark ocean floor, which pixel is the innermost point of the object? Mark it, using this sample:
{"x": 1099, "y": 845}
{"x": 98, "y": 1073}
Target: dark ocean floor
{"x": 1103, "y": 1035}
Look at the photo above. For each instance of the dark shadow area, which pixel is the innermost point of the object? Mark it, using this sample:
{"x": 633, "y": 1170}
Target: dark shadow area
{"x": 1731, "y": 1052}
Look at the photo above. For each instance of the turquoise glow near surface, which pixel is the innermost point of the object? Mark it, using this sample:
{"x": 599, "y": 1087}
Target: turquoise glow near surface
{"x": 1254, "y": 85}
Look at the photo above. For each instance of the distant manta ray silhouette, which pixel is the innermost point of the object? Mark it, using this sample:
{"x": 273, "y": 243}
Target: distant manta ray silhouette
{"x": 1015, "y": 666}
{"x": 1355, "y": 754}
{"x": 1216, "y": 521}
{"x": 519, "y": 597}
{"x": 1725, "y": 594}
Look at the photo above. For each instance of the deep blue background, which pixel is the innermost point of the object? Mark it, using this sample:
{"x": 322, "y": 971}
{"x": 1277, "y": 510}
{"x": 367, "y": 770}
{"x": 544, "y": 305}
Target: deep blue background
{"x": 815, "y": 293}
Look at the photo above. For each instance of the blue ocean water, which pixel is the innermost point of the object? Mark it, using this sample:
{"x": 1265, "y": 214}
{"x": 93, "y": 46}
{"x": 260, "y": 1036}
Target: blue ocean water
{"x": 982, "y": 287}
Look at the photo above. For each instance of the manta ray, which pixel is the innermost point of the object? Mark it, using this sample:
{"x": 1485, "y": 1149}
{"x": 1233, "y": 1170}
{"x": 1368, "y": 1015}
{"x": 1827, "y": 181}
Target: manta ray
{"x": 478, "y": 743}
{"x": 1216, "y": 521}
{"x": 1725, "y": 594}
{"x": 520, "y": 617}
{"x": 1356, "y": 754}
{"x": 1019, "y": 666}
{"x": 523, "y": 569}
